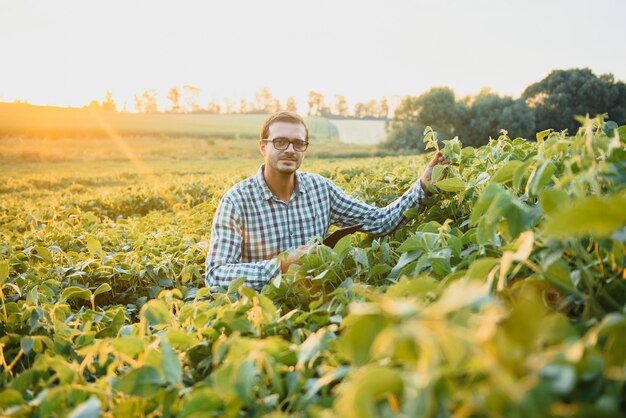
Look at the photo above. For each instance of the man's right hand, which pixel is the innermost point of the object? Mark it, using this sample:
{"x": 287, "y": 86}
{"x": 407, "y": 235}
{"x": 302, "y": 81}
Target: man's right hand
{"x": 293, "y": 256}
{"x": 426, "y": 178}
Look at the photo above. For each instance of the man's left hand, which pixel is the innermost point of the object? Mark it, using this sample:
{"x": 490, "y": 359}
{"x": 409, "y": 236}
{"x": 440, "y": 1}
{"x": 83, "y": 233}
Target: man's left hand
{"x": 294, "y": 255}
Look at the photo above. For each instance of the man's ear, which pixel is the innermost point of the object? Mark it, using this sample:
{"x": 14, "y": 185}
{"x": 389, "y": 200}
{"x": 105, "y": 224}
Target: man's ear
{"x": 262, "y": 146}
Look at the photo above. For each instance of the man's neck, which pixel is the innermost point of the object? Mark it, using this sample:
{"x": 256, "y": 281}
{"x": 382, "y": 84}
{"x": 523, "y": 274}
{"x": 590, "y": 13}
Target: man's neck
{"x": 281, "y": 185}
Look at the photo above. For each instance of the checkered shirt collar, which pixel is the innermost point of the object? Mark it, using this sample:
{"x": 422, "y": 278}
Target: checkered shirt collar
{"x": 265, "y": 190}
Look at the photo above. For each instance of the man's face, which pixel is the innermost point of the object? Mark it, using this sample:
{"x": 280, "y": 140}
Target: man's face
{"x": 286, "y": 161}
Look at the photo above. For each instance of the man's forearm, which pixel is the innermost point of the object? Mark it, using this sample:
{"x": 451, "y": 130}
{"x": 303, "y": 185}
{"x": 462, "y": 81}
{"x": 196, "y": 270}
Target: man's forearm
{"x": 392, "y": 216}
{"x": 257, "y": 274}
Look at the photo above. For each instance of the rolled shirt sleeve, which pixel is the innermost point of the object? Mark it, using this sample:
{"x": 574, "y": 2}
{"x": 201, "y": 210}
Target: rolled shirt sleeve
{"x": 347, "y": 211}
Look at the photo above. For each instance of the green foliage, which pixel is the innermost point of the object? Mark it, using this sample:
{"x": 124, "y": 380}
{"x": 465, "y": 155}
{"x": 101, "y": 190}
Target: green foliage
{"x": 436, "y": 108}
{"x": 474, "y": 119}
{"x": 487, "y": 114}
{"x": 552, "y": 103}
{"x": 504, "y": 296}
{"x": 563, "y": 94}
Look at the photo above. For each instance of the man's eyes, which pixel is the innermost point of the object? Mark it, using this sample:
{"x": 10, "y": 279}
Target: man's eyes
{"x": 285, "y": 141}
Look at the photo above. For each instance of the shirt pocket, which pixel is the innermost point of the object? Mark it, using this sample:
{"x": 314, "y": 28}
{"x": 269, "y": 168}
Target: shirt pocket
{"x": 310, "y": 225}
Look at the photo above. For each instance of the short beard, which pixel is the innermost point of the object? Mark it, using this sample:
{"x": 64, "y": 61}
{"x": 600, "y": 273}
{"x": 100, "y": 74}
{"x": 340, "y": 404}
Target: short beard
{"x": 285, "y": 170}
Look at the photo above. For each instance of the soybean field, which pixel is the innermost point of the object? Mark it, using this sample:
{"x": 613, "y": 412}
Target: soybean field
{"x": 504, "y": 296}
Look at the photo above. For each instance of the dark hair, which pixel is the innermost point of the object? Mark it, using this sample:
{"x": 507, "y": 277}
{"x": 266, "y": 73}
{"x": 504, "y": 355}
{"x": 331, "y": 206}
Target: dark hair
{"x": 282, "y": 116}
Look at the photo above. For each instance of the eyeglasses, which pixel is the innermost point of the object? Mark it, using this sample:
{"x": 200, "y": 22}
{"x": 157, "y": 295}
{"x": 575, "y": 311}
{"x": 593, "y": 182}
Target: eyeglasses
{"x": 282, "y": 143}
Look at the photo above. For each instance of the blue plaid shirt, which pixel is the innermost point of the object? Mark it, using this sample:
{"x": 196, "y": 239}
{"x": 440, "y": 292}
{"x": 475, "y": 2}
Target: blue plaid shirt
{"x": 252, "y": 226}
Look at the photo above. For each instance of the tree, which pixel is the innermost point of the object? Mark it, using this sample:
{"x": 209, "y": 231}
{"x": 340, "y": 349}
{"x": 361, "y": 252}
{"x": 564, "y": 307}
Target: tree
{"x": 243, "y": 106}
{"x": 191, "y": 95}
{"x": 213, "y": 107}
{"x": 617, "y": 99}
{"x": 229, "y": 106}
{"x": 405, "y": 136}
{"x": 291, "y": 105}
{"x": 341, "y": 106}
{"x": 274, "y": 106}
{"x": 265, "y": 101}
{"x": 147, "y": 102}
{"x": 109, "y": 103}
{"x": 518, "y": 119}
{"x": 394, "y": 102}
{"x": 360, "y": 110}
{"x": 368, "y": 109}
{"x": 263, "y": 98}
{"x": 149, "y": 98}
{"x": 174, "y": 97}
{"x": 138, "y": 103}
{"x": 383, "y": 108}
{"x": 315, "y": 104}
{"x": 563, "y": 94}
{"x": 435, "y": 108}
{"x": 372, "y": 109}
{"x": 94, "y": 104}
{"x": 484, "y": 115}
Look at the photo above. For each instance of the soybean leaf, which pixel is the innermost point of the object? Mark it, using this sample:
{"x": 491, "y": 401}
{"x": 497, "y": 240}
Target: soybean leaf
{"x": 505, "y": 173}
{"x": 44, "y": 253}
{"x": 10, "y": 397}
{"x": 144, "y": 382}
{"x": 94, "y": 247}
{"x": 156, "y": 312}
{"x": 452, "y": 184}
{"x": 75, "y": 292}
{"x": 598, "y": 217}
{"x": 171, "y": 366}
{"x": 104, "y": 287}
{"x": 437, "y": 170}
{"x": 4, "y": 270}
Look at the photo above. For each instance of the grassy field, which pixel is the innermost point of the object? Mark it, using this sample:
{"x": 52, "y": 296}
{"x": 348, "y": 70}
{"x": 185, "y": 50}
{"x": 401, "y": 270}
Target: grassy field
{"x": 57, "y": 122}
{"x": 143, "y": 149}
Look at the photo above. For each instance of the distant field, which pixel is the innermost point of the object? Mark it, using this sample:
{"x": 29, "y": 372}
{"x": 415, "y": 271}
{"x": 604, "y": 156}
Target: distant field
{"x": 19, "y": 119}
{"x": 361, "y": 132}
{"x": 57, "y": 122}
{"x": 19, "y": 150}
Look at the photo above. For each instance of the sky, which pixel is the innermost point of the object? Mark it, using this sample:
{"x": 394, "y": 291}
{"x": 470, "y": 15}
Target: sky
{"x": 69, "y": 52}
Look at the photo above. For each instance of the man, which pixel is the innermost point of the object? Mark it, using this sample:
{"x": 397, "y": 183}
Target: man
{"x": 281, "y": 209}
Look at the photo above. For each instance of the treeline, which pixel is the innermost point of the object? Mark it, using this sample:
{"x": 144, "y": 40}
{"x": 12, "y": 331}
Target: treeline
{"x": 550, "y": 103}
{"x": 186, "y": 100}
